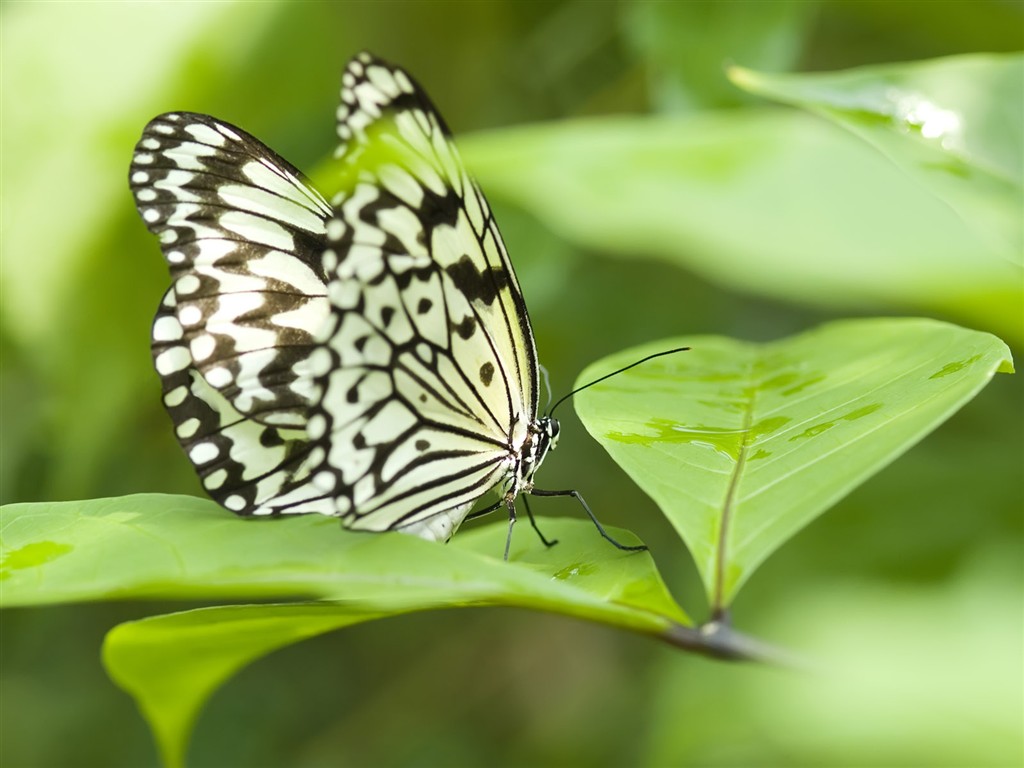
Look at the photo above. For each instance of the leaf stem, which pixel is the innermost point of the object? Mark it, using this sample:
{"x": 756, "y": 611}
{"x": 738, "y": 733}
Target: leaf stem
{"x": 718, "y": 640}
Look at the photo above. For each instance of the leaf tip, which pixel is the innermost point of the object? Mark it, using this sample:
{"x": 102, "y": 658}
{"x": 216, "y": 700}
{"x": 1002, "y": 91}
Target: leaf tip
{"x": 740, "y": 76}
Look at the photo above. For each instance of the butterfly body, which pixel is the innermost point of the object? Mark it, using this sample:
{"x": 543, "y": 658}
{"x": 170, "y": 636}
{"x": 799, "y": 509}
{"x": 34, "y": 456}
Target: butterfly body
{"x": 370, "y": 357}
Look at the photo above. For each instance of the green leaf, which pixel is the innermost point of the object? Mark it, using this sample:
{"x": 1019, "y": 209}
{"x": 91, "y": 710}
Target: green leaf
{"x": 953, "y": 124}
{"x": 172, "y": 664}
{"x": 773, "y": 202}
{"x": 743, "y": 444}
{"x": 99, "y": 261}
{"x": 912, "y": 672}
{"x": 170, "y": 547}
{"x": 179, "y": 547}
{"x": 107, "y": 121}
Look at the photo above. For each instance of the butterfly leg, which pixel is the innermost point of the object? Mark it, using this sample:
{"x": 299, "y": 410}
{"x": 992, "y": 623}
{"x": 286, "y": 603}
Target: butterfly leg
{"x": 511, "y": 504}
{"x": 533, "y": 522}
{"x": 600, "y": 529}
{"x": 481, "y": 512}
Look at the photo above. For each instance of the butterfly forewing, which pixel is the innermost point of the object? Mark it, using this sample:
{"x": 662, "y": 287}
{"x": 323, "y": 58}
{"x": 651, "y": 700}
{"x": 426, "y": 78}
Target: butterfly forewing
{"x": 431, "y": 380}
{"x": 395, "y": 141}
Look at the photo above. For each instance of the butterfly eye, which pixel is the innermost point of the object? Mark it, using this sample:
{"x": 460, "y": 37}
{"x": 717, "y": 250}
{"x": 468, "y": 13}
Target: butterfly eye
{"x": 553, "y": 430}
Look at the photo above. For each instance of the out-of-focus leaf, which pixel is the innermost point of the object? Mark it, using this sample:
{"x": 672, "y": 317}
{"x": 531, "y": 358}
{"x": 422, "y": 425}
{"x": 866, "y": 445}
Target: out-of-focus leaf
{"x": 172, "y": 664}
{"x": 909, "y": 674}
{"x": 776, "y": 203}
{"x": 66, "y": 153}
{"x": 686, "y": 46}
{"x": 80, "y": 82}
{"x": 954, "y": 124}
{"x": 741, "y": 444}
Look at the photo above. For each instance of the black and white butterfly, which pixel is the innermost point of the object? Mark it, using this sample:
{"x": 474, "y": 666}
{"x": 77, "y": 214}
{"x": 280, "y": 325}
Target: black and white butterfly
{"x": 369, "y": 358}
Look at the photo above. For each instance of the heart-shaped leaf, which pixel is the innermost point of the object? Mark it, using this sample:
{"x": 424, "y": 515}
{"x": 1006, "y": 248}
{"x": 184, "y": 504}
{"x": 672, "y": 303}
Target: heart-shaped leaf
{"x": 743, "y": 444}
{"x": 954, "y": 124}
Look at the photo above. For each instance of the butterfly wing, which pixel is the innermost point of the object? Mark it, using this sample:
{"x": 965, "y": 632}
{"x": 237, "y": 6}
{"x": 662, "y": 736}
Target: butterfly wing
{"x": 242, "y": 232}
{"x": 429, "y": 372}
{"x": 372, "y": 358}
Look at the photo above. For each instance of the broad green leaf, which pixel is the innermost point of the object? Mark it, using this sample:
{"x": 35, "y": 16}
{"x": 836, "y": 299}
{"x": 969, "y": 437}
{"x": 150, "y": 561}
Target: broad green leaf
{"x": 954, "y": 124}
{"x": 171, "y": 547}
{"x": 772, "y": 202}
{"x": 181, "y": 547}
{"x": 743, "y": 444}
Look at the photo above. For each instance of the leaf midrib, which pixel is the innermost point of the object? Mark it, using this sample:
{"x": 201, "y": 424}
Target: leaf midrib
{"x": 728, "y": 505}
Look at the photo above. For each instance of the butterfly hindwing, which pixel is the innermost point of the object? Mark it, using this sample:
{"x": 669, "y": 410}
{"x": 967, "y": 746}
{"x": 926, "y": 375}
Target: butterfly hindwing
{"x": 248, "y": 467}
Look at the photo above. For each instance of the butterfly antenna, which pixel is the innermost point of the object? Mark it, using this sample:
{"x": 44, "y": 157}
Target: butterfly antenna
{"x": 547, "y": 384}
{"x": 641, "y": 361}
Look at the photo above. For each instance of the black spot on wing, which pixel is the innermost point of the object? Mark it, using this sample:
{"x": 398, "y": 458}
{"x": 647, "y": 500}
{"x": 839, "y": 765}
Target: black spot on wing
{"x": 465, "y": 328}
{"x": 474, "y": 284}
{"x": 270, "y": 437}
{"x": 487, "y": 373}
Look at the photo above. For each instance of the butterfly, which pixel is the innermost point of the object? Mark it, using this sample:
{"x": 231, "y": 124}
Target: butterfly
{"x": 370, "y": 357}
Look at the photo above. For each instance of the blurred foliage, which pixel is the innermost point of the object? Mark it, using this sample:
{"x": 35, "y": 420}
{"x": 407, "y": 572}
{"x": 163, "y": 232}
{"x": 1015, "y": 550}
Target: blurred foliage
{"x": 670, "y": 188}
{"x": 953, "y": 125}
{"x": 910, "y": 588}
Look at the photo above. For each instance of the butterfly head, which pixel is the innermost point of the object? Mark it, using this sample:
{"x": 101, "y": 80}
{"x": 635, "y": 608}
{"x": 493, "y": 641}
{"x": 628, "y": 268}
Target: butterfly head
{"x": 542, "y": 437}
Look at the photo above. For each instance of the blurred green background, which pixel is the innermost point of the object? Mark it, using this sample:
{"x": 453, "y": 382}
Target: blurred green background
{"x": 910, "y": 590}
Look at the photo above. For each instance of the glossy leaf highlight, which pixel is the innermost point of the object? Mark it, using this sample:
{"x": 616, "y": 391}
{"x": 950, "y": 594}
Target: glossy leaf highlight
{"x": 953, "y": 124}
